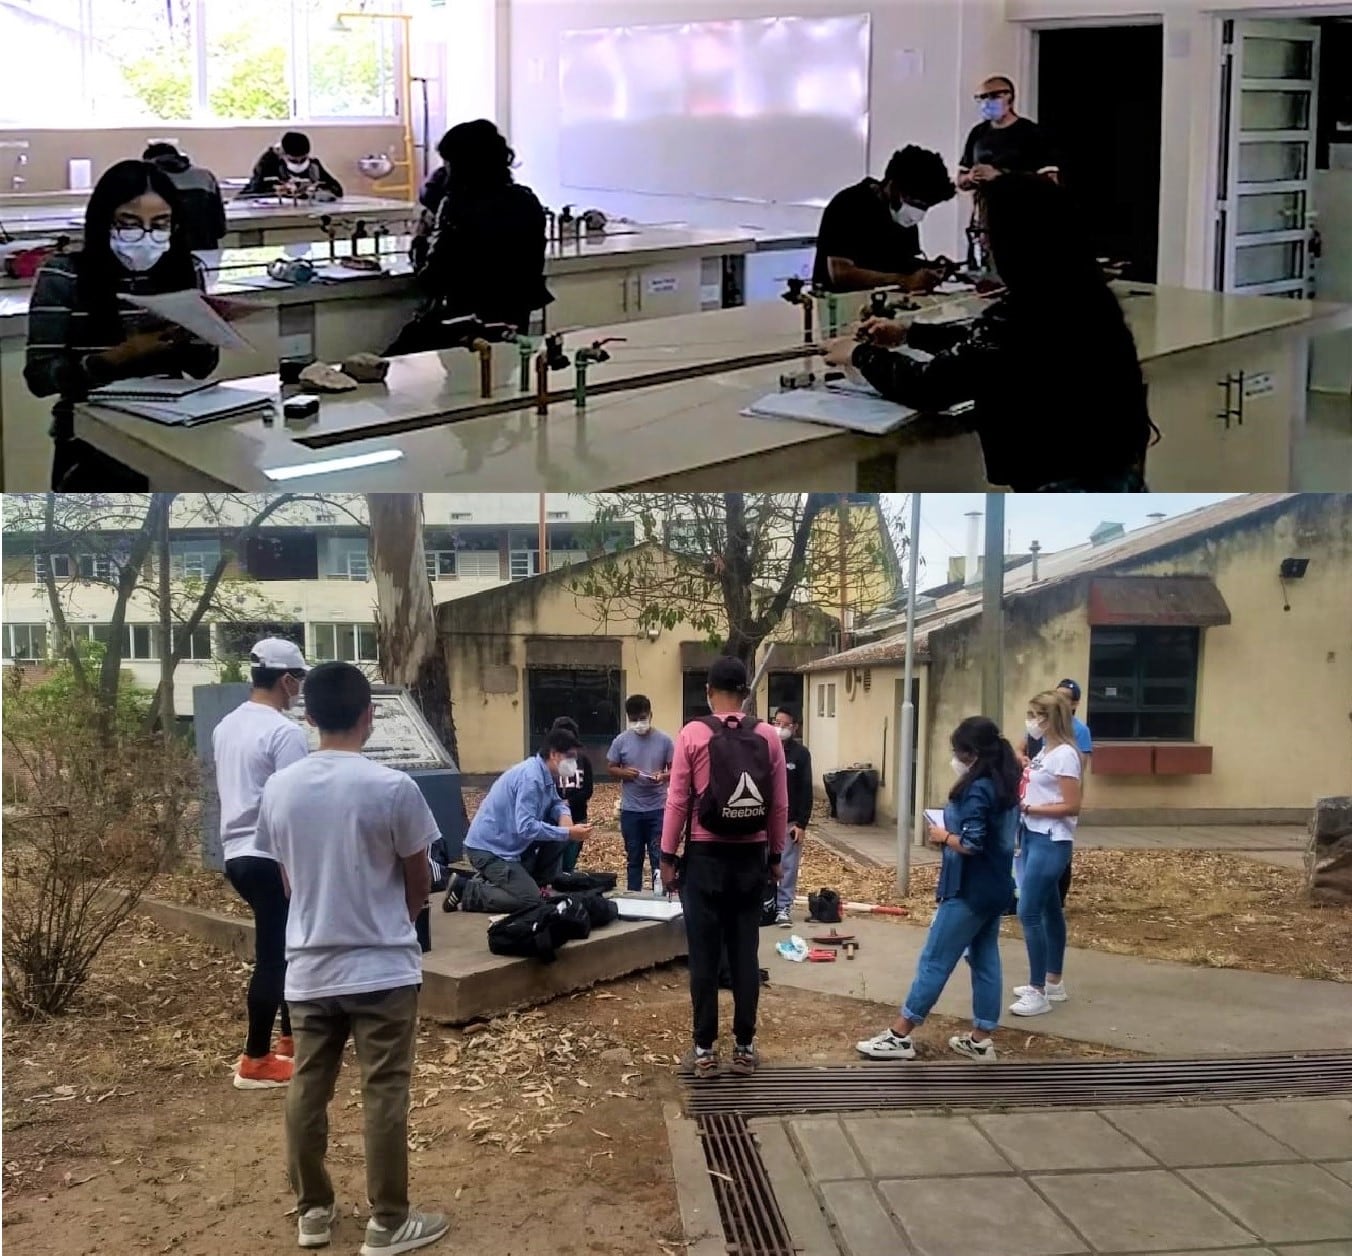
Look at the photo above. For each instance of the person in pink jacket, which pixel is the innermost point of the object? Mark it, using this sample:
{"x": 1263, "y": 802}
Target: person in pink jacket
{"x": 728, "y": 801}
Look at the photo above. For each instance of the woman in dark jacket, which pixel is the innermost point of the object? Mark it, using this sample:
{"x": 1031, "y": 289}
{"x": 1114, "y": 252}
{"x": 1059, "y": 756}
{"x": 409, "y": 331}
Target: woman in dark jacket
{"x": 486, "y": 252}
{"x": 1060, "y": 401}
{"x": 976, "y": 884}
{"x": 578, "y": 795}
{"x": 82, "y": 336}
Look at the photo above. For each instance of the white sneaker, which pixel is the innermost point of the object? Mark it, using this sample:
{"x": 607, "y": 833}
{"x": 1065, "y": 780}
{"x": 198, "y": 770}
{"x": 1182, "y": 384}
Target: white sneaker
{"x": 965, "y": 1044}
{"x": 1033, "y": 1003}
{"x": 783, "y": 919}
{"x": 314, "y": 1229}
{"x": 418, "y": 1230}
{"x": 887, "y": 1046}
{"x": 1055, "y": 993}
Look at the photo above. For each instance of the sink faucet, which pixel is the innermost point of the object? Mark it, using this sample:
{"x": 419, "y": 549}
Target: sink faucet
{"x": 358, "y": 234}
{"x": 582, "y": 359}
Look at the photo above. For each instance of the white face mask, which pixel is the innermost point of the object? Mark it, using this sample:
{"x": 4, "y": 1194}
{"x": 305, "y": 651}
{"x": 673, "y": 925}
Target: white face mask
{"x": 640, "y": 726}
{"x": 785, "y": 732}
{"x": 296, "y": 167}
{"x": 138, "y": 255}
{"x": 1034, "y": 729}
{"x": 908, "y": 216}
{"x": 958, "y": 766}
{"x": 567, "y": 769}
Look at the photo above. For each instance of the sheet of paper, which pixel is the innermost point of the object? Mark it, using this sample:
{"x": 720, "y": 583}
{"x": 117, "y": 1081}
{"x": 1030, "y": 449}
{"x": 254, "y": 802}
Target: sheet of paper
{"x": 954, "y": 288}
{"x": 935, "y": 818}
{"x": 648, "y": 908}
{"x": 189, "y": 309}
{"x": 337, "y": 274}
{"x": 870, "y": 415}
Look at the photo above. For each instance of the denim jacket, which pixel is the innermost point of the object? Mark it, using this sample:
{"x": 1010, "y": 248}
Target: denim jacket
{"x": 984, "y": 876}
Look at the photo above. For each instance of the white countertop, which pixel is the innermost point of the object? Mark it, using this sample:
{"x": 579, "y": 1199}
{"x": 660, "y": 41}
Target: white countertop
{"x": 622, "y": 439}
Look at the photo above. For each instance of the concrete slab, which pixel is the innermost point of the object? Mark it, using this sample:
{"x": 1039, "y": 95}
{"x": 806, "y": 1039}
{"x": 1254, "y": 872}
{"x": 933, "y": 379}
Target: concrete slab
{"x": 797, "y": 1201}
{"x": 1182, "y": 1137}
{"x": 1318, "y": 1249}
{"x": 825, "y": 1149}
{"x": 694, "y": 1192}
{"x": 1320, "y": 1129}
{"x": 1342, "y": 1170}
{"x": 1283, "y": 1203}
{"x": 462, "y": 980}
{"x": 1038, "y": 1141}
{"x": 1010, "y": 1218}
{"x": 1142, "y": 1211}
{"x": 922, "y": 1146}
{"x": 862, "y": 1224}
{"x": 1118, "y": 1000}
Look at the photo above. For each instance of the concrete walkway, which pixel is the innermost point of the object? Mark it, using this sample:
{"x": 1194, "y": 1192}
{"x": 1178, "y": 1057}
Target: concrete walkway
{"x": 1118, "y": 1000}
{"x": 1262, "y": 1179}
{"x": 1283, "y": 846}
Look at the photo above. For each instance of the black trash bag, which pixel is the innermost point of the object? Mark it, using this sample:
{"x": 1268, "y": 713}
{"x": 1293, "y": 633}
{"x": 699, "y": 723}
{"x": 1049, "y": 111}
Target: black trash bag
{"x": 576, "y": 882}
{"x": 824, "y": 907}
{"x": 537, "y": 930}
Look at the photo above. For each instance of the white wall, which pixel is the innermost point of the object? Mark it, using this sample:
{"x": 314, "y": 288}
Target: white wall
{"x": 927, "y": 57}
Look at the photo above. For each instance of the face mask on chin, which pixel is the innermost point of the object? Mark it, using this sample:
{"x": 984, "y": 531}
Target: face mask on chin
{"x": 138, "y": 256}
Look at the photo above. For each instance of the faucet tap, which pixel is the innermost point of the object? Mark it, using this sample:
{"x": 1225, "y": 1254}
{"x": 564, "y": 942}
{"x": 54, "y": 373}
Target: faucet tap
{"x": 380, "y": 231}
{"x": 582, "y": 359}
{"x": 551, "y": 358}
{"x": 358, "y": 234}
{"x": 330, "y": 229}
{"x": 797, "y": 293}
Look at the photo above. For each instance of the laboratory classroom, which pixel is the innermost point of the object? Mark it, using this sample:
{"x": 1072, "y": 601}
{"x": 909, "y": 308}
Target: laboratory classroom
{"x": 577, "y": 245}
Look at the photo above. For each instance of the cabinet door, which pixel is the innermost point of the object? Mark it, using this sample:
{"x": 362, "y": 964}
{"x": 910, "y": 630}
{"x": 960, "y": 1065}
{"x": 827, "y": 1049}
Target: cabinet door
{"x": 666, "y": 289}
{"x": 592, "y": 299}
{"x": 1188, "y": 398}
{"x": 1259, "y": 446}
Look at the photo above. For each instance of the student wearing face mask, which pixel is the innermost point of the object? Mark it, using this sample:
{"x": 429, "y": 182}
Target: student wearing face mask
{"x": 1052, "y": 791}
{"x": 870, "y": 233}
{"x": 1003, "y": 142}
{"x": 80, "y": 333}
{"x": 291, "y": 162}
{"x": 250, "y": 745}
{"x": 976, "y": 883}
{"x": 518, "y": 836}
{"x": 640, "y": 758}
{"x": 798, "y": 765}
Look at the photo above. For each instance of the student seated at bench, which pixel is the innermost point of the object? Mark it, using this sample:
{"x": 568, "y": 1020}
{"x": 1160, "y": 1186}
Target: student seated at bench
{"x": 290, "y": 164}
{"x": 518, "y": 837}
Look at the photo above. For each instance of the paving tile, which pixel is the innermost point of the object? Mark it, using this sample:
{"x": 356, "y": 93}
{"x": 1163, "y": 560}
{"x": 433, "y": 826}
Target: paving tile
{"x": 797, "y": 1201}
{"x": 1342, "y": 1170}
{"x": 1034, "y": 1141}
{"x": 1318, "y": 1128}
{"x": 1317, "y": 1249}
{"x": 960, "y": 1216}
{"x": 862, "y": 1223}
{"x": 1281, "y": 1203}
{"x": 1150, "y": 1211}
{"x": 1198, "y": 1136}
{"x": 826, "y": 1150}
{"x": 923, "y": 1146}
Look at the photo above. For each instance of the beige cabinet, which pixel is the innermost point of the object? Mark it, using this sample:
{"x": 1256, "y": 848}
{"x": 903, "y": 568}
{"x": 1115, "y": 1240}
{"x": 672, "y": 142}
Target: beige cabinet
{"x": 603, "y": 297}
{"x": 1227, "y": 417}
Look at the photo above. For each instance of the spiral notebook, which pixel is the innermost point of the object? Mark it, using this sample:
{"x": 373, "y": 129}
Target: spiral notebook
{"x": 149, "y": 388}
{"x": 203, "y": 406}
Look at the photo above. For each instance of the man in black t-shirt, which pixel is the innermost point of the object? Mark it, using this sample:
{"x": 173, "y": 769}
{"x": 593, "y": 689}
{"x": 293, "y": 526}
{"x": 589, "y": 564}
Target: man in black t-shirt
{"x": 869, "y": 235}
{"x": 1003, "y": 142}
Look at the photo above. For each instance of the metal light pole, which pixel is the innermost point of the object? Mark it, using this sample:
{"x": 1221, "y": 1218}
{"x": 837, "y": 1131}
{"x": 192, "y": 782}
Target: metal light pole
{"x": 993, "y": 612}
{"x": 750, "y": 704}
{"x": 905, "y": 774}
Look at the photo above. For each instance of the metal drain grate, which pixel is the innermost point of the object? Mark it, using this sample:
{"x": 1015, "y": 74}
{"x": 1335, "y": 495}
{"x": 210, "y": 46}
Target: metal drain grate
{"x": 1082, "y": 1083}
{"x": 752, "y": 1222}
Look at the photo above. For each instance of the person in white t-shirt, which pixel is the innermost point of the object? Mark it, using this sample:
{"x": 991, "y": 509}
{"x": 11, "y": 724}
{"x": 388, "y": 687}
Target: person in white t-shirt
{"x": 353, "y": 838}
{"x": 249, "y": 745}
{"x": 1051, "y": 807}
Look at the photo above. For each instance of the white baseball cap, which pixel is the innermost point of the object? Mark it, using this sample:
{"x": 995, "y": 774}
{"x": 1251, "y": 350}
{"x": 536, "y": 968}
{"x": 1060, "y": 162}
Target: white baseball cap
{"x": 278, "y": 655}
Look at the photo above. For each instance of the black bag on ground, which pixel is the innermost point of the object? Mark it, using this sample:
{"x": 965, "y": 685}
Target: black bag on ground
{"x": 823, "y": 906}
{"x": 600, "y": 910}
{"x": 440, "y": 860}
{"x": 579, "y": 882}
{"x": 737, "y": 801}
{"x": 770, "y": 903}
{"x": 537, "y": 930}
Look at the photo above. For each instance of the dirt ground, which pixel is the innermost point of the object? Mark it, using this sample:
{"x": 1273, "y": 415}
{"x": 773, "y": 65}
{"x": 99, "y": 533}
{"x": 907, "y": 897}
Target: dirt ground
{"x": 537, "y": 1132}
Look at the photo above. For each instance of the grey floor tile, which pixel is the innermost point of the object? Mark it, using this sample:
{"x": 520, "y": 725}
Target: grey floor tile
{"x": 1035, "y": 1141}
{"x": 1144, "y": 1211}
{"x": 1318, "y": 1128}
{"x": 1281, "y": 1203}
{"x": 862, "y": 1223}
{"x": 963, "y": 1216}
{"x": 1342, "y": 1169}
{"x": 924, "y": 1146}
{"x": 1198, "y": 1136}
{"x": 826, "y": 1150}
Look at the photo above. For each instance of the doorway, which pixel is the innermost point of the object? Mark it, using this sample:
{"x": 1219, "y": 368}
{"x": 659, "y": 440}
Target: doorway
{"x": 1100, "y": 94}
{"x": 593, "y": 696}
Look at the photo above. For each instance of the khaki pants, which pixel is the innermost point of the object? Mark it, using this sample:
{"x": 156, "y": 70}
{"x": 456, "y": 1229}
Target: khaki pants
{"x": 382, "y": 1026}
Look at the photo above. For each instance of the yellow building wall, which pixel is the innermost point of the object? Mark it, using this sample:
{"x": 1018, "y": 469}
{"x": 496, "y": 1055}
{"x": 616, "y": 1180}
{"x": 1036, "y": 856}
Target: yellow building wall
{"x": 868, "y": 582}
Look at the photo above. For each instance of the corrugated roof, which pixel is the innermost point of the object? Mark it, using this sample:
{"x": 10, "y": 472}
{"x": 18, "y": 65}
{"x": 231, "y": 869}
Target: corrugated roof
{"x": 1055, "y": 569}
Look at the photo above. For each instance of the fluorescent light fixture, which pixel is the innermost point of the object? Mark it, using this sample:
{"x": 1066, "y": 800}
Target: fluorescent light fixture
{"x": 331, "y": 465}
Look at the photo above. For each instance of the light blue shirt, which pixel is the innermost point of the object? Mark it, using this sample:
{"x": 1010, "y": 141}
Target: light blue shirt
{"x": 1084, "y": 743}
{"x": 522, "y": 807}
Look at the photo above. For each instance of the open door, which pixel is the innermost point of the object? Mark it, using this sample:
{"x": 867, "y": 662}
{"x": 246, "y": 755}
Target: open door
{"x": 1264, "y": 203}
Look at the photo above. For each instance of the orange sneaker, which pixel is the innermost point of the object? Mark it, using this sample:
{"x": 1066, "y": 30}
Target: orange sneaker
{"x": 262, "y": 1074}
{"x": 285, "y": 1048}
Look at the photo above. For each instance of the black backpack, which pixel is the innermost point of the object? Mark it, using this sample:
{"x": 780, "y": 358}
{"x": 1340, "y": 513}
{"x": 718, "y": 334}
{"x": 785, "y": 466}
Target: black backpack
{"x": 537, "y": 930}
{"x": 824, "y": 907}
{"x": 580, "y": 882}
{"x": 600, "y": 910}
{"x": 737, "y": 801}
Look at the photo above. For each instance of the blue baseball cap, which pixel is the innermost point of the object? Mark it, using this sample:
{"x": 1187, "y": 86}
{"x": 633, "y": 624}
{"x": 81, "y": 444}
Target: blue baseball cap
{"x": 1071, "y": 688}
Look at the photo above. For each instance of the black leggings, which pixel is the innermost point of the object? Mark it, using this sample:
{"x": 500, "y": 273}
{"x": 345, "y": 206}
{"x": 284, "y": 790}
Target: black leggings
{"x": 258, "y": 882}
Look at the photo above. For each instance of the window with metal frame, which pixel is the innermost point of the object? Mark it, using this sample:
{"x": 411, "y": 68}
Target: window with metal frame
{"x": 1143, "y": 683}
{"x": 524, "y": 564}
{"x": 143, "y": 642}
{"x": 441, "y": 564}
{"x": 25, "y": 643}
{"x": 348, "y": 643}
{"x": 195, "y": 645}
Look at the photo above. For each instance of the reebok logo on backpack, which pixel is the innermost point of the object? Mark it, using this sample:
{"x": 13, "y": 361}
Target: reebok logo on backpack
{"x": 734, "y": 805}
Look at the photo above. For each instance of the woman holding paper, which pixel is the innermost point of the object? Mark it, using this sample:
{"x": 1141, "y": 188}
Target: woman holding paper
{"x": 82, "y": 335}
{"x": 980, "y": 823}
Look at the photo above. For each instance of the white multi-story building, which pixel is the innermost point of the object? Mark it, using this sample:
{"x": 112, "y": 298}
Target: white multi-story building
{"x": 304, "y": 573}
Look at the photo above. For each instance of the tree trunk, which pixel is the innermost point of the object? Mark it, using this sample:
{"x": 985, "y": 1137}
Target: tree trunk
{"x": 165, "y": 696}
{"x": 409, "y": 651}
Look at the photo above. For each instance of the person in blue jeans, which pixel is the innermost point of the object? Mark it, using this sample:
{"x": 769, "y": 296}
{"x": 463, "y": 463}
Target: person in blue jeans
{"x": 640, "y": 758}
{"x": 976, "y": 883}
{"x": 1051, "y": 809}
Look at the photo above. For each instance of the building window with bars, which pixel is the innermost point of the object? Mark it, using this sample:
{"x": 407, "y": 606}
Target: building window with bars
{"x": 441, "y": 564}
{"x": 347, "y": 558}
{"x": 194, "y": 645}
{"x": 1143, "y": 683}
{"x": 193, "y": 560}
{"x": 348, "y": 643}
{"x": 25, "y": 643}
{"x": 524, "y": 564}
{"x": 143, "y": 642}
